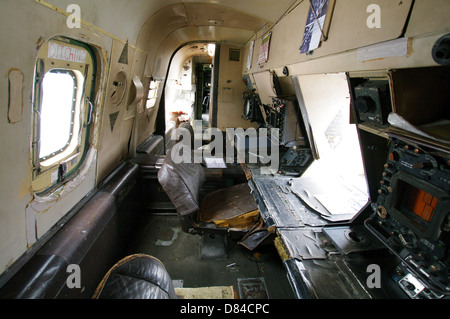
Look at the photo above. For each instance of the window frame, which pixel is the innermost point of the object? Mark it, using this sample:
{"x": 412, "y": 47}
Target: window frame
{"x": 50, "y": 172}
{"x": 152, "y": 95}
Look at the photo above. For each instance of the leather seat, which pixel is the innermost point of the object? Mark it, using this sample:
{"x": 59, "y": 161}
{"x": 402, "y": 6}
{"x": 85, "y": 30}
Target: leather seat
{"x": 136, "y": 277}
{"x": 233, "y": 207}
{"x": 182, "y": 182}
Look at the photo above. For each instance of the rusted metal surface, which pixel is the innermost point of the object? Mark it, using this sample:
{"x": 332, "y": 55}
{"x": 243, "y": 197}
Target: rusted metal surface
{"x": 252, "y": 288}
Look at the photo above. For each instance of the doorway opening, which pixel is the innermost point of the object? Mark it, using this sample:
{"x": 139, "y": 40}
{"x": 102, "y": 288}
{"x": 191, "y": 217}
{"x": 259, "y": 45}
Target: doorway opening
{"x": 189, "y": 90}
{"x": 203, "y": 94}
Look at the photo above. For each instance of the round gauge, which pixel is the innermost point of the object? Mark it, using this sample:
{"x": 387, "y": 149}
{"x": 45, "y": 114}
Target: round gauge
{"x": 118, "y": 88}
{"x": 430, "y": 166}
{"x": 247, "y": 108}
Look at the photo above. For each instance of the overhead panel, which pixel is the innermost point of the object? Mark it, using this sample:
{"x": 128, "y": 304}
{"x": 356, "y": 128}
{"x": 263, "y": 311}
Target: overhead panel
{"x": 107, "y": 15}
{"x": 159, "y": 26}
{"x": 206, "y": 33}
{"x": 348, "y": 30}
{"x": 203, "y": 15}
{"x": 349, "y": 33}
{"x": 266, "y": 9}
{"x": 427, "y": 17}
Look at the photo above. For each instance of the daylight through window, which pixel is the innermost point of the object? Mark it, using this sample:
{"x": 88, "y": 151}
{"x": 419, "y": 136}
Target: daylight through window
{"x": 57, "y": 112}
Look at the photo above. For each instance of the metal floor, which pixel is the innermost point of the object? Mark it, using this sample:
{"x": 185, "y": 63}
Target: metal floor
{"x": 182, "y": 255}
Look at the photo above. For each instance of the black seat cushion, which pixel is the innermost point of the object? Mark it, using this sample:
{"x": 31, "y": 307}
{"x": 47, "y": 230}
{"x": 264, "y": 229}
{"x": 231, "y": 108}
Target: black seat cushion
{"x": 182, "y": 182}
{"x": 136, "y": 277}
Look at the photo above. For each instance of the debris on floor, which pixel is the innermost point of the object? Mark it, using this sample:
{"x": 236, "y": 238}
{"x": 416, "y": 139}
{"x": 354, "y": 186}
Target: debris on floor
{"x": 226, "y": 292}
{"x": 252, "y": 288}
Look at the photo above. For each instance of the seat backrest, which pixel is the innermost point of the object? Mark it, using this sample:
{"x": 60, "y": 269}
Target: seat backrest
{"x": 182, "y": 183}
{"x": 136, "y": 277}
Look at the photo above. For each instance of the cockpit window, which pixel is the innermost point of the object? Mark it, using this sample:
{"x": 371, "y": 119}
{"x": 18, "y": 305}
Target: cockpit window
{"x": 57, "y": 112}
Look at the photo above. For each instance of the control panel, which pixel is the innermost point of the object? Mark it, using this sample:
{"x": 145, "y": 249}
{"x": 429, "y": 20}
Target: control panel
{"x": 295, "y": 161}
{"x": 275, "y": 113}
{"x": 252, "y": 111}
{"x": 412, "y": 218}
{"x": 283, "y": 114}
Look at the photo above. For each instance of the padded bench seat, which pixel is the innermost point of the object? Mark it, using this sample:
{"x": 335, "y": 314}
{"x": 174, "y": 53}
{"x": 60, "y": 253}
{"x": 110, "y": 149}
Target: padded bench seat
{"x": 92, "y": 239}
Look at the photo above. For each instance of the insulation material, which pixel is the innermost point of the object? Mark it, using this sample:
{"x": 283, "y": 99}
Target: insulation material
{"x": 303, "y": 243}
{"x": 243, "y": 221}
{"x": 227, "y": 204}
{"x": 226, "y": 292}
{"x": 40, "y": 206}
{"x": 252, "y": 288}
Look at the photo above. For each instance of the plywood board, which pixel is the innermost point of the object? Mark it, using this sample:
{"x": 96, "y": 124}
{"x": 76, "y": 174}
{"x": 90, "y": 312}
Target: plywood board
{"x": 348, "y": 30}
{"x": 428, "y": 16}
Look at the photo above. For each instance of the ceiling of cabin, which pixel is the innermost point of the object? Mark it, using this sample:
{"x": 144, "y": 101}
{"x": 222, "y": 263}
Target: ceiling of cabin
{"x": 126, "y": 18}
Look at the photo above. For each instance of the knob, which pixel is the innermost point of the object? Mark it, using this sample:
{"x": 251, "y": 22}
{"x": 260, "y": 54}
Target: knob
{"x": 382, "y": 211}
{"x": 422, "y": 165}
{"x": 365, "y": 104}
{"x": 410, "y": 286}
{"x": 386, "y": 174}
{"x": 394, "y": 156}
{"x": 441, "y": 50}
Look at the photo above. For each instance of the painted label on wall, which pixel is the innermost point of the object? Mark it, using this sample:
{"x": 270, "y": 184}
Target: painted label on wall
{"x": 66, "y": 53}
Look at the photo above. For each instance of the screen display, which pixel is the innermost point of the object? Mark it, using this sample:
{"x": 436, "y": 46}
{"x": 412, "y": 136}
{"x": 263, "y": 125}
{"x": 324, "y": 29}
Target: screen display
{"x": 421, "y": 203}
{"x": 417, "y": 201}
{"x": 418, "y": 205}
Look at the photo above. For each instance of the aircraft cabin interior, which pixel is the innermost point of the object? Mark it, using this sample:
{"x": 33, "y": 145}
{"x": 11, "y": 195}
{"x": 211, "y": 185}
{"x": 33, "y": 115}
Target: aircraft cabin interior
{"x": 199, "y": 149}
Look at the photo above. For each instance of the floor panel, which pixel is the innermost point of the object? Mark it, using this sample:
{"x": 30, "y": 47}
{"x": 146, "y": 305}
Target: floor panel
{"x": 161, "y": 236}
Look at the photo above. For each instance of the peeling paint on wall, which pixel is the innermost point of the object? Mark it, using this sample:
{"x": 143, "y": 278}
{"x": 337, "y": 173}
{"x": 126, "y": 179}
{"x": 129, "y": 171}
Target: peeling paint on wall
{"x": 41, "y": 205}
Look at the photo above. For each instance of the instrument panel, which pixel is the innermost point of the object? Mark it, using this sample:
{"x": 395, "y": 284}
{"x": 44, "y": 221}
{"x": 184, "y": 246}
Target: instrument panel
{"x": 412, "y": 218}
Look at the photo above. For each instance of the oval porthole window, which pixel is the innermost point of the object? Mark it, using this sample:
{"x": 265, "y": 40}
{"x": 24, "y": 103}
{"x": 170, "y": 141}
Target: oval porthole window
{"x": 64, "y": 85}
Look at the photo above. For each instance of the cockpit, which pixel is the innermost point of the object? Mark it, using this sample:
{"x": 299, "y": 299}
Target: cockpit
{"x": 225, "y": 149}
